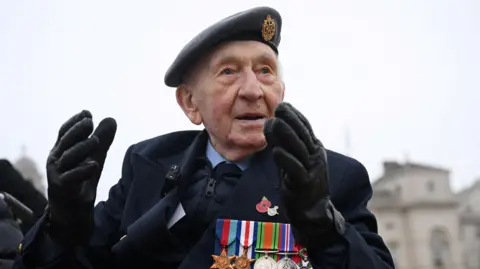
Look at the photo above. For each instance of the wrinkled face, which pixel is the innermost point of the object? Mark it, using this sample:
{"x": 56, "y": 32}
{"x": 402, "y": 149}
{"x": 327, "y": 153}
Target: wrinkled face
{"x": 236, "y": 88}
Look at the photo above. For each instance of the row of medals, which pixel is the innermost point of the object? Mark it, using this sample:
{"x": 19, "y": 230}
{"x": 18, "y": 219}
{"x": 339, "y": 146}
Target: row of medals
{"x": 267, "y": 262}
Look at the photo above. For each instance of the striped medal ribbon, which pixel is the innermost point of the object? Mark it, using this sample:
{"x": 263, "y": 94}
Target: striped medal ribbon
{"x": 267, "y": 243}
{"x": 246, "y": 235}
{"x": 286, "y": 247}
{"x": 226, "y": 233}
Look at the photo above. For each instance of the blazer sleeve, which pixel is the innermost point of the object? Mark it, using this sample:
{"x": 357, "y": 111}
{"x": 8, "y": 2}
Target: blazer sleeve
{"x": 361, "y": 247}
{"x": 39, "y": 251}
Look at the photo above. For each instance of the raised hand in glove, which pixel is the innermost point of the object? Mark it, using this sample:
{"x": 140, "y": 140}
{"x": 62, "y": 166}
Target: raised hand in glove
{"x": 302, "y": 162}
{"x": 74, "y": 166}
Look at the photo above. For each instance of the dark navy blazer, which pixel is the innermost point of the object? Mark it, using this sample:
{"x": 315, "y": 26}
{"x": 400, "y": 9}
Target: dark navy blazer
{"x": 131, "y": 226}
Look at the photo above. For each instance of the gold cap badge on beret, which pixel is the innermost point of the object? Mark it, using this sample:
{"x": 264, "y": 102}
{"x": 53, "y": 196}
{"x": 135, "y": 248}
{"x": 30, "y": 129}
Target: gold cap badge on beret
{"x": 268, "y": 28}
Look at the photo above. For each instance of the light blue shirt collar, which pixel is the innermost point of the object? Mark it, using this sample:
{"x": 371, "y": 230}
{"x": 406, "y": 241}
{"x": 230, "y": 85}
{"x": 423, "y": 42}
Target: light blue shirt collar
{"x": 215, "y": 158}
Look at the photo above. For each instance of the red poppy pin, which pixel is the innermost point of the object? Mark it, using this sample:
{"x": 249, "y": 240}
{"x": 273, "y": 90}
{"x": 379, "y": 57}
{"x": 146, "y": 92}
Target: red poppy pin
{"x": 265, "y": 206}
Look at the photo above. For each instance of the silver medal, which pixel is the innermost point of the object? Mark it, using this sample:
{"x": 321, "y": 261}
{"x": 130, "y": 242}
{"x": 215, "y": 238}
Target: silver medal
{"x": 286, "y": 263}
{"x": 265, "y": 262}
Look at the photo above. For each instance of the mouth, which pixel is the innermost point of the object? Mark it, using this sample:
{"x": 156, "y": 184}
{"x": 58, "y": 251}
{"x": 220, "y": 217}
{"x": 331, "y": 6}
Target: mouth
{"x": 251, "y": 117}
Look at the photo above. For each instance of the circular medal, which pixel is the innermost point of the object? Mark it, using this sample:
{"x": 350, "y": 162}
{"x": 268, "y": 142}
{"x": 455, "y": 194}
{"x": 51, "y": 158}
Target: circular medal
{"x": 286, "y": 263}
{"x": 265, "y": 262}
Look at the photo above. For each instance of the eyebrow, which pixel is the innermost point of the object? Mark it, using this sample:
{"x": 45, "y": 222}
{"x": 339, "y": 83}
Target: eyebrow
{"x": 262, "y": 58}
{"x": 223, "y": 60}
{"x": 268, "y": 59}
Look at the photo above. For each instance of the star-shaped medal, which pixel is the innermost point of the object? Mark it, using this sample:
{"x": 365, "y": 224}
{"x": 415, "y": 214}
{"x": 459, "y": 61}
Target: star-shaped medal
{"x": 243, "y": 262}
{"x": 222, "y": 261}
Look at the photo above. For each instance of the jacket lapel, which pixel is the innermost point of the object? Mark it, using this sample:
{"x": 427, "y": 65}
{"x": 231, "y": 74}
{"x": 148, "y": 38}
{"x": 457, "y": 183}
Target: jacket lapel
{"x": 152, "y": 210}
{"x": 149, "y": 174}
{"x": 189, "y": 160}
{"x": 155, "y": 172}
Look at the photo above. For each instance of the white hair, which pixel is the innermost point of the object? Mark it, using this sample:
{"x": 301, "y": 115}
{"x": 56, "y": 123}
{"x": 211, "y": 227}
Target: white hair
{"x": 280, "y": 70}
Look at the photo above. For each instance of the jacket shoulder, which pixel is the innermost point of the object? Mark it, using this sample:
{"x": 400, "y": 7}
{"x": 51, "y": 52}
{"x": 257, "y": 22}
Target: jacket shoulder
{"x": 340, "y": 161}
{"x": 171, "y": 142}
{"x": 346, "y": 174}
{"x": 343, "y": 168}
{"x": 163, "y": 146}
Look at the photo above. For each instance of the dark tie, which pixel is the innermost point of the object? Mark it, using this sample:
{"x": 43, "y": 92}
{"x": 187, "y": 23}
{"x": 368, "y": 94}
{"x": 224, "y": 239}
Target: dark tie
{"x": 226, "y": 177}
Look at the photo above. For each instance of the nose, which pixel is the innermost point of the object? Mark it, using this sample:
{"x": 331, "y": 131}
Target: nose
{"x": 251, "y": 88}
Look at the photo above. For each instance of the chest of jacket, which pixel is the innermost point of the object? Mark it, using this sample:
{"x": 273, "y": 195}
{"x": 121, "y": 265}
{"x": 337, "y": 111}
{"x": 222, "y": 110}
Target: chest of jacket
{"x": 146, "y": 214}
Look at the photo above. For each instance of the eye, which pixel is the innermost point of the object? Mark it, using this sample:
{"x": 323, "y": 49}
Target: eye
{"x": 265, "y": 70}
{"x": 227, "y": 71}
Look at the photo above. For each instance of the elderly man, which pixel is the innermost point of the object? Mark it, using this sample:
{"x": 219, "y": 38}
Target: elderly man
{"x": 256, "y": 188}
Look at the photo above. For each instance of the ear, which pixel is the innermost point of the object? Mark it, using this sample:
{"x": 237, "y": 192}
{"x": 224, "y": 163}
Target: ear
{"x": 283, "y": 90}
{"x": 186, "y": 101}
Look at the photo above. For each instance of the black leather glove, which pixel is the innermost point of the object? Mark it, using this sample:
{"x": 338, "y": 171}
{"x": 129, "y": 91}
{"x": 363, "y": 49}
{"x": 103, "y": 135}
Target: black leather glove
{"x": 73, "y": 171}
{"x": 302, "y": 162}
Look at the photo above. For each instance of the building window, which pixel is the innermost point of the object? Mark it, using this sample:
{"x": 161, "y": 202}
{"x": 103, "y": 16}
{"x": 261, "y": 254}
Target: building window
{"x": 398, "y": 189}
{"x": 430, "y": 186}
{"x": 440, "y": 249}
{"x": 389, "y": 226}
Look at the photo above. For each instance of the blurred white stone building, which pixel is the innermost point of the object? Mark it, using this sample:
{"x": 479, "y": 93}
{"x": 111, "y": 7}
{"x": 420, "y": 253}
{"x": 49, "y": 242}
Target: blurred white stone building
{"x": 470, "y": 225}
{"x": 424, "y": 224}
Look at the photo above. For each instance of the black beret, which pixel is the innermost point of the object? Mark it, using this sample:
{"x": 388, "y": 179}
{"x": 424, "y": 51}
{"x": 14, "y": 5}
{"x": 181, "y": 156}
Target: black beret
{"x": 263, "y": 24}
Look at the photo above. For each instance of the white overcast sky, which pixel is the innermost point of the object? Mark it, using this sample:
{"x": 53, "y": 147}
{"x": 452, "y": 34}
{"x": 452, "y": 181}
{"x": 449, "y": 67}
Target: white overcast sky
{"x": 401, "y": 76}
